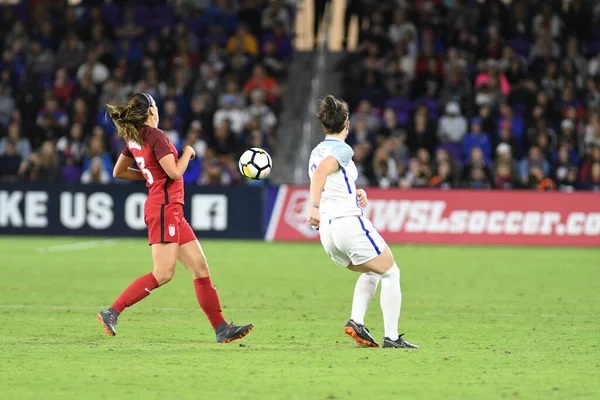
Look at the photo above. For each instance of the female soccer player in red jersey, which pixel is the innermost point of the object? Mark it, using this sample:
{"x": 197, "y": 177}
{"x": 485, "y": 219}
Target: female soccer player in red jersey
{"x": 169, "y": 234}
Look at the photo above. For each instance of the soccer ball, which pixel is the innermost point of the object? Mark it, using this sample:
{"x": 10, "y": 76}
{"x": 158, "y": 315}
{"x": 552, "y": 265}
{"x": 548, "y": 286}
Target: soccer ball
{"x": 255, "y": 163}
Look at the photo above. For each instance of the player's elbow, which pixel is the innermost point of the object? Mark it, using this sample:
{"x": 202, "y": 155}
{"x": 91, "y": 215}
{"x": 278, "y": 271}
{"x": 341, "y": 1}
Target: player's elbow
{"x": 175, "y": 175}
{"x": 116, "y": 173}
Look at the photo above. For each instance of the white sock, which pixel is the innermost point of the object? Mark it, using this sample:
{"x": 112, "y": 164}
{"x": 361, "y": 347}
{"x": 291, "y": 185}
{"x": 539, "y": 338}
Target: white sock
{"x": 391, "y": 301}
{"x": 365, "y": 288}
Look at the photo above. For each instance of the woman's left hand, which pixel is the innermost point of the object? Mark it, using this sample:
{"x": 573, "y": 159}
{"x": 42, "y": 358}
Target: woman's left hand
{"x": 362, "y": 198}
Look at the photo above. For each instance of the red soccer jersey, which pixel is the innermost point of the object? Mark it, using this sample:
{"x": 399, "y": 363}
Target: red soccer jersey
{"x": 161, "y": 188}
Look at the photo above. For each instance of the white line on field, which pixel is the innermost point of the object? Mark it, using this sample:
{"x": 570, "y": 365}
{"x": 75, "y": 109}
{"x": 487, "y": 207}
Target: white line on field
{"x": 90, "y": 244}
{"x": 195, "y": 309}
{"x": 522, "y": 315}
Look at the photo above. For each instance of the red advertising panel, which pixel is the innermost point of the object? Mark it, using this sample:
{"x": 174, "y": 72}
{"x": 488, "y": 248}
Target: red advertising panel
{"x": 458, "y": 216}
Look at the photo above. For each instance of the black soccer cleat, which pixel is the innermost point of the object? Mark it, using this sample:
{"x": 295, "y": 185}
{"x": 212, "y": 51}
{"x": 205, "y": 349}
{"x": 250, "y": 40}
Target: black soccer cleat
{"x": 108, "y": 320}
{"x": 227, "y": 333}
{"x": 399, "y": 343}
{"x": 360, "y": 334}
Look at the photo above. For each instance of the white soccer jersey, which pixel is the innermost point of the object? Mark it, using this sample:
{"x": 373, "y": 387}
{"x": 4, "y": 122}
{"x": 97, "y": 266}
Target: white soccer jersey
{"x": 339, "y": 196}
{"x": 347, "y": 236}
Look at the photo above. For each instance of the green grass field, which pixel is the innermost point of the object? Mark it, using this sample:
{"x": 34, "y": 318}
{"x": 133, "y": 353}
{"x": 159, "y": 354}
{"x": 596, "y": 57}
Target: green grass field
{"x": 492, "y": 323}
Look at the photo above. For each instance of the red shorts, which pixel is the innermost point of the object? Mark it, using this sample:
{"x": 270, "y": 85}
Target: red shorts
{"x": 167, "y": 224}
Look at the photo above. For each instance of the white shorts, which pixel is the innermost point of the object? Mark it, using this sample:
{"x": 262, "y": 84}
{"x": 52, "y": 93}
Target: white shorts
{"x": 350, "y": 240}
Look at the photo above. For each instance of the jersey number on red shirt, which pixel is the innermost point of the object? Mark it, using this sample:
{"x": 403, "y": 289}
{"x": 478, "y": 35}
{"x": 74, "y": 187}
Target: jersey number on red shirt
{"x": 142, "y": 164}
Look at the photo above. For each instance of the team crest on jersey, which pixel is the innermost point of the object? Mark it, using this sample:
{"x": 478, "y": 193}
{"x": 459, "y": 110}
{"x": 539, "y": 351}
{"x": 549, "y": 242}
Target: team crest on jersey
{"x": 296, "y": 212}
{"x": 134, "y": 145}
{"x": 171, "y": 230}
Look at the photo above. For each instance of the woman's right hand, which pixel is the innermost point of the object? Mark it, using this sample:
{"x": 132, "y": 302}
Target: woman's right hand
{"x": 190, "y": 149}
{"x": 314, "y": 219}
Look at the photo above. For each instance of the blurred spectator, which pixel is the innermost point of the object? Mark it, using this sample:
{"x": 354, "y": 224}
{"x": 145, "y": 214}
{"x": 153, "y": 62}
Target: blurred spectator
{"x": 385, "y": 169}
{"x": 40, "y": 60}
{"x": 396, "y": 145}
{"x": 365, "y": 112}
{"x": 21, "y": 145}
{"x": 98, "y": 72}
{"x": 569, "y": 182}
{"x": 593, "y": 183}
{"x": 168, "y": 127}
{"x": 7, "y": 105}
{"x": 71, "y": 173}
{"x": 232, "y": 89}
{"x": 209, "y": 80}
{"x": 273, "y": 62}
{"x": 71, "y": 53}
{"x": 10, "y": 162}
{"x": 275, "y": 13}
{"x": 63, "y": 86}
{"x": 361, "y": 153}
{"x": 592, "y": 157}
{"x": 260, "y": 110}
{"x": 129, "y": 30}
{"x": 476, "y": 172}
{"x": 219, "y": 14}
{"x": 443, "y": 178}
{"x": 96, "y": 148}
{"x": 81, "y": 115}
{"x": 401, "y": 29}
{"x": 415, "y": 177}
{"x": 201, "y": 110}
{"x": 592, "y": 131}
{"x": 224, "y": 143}
{"x": 45, "y": 166}
{"x": 359, "y": 134}
{"x": 504, "y": 179}
{"x": 214, "y": 174}
{"x": 546, "y": 19}
{"x": 243, "y": 41}
{"x": 96, "y": 172}
{"x": 534, "y": 160}
{"x": 236, "y": 117}
{"x": 17, "y": 37}
{"x": 538, "y": 180}
{"x": 452, "y": 126}
{"x": 421, "y": 131}
{"x": 509, "y": 166}
{"x": 260, "y": 80}
{"x": 477, "y": 138}
{"x": 53, "y": 113}
{"x": 562, "y": 165}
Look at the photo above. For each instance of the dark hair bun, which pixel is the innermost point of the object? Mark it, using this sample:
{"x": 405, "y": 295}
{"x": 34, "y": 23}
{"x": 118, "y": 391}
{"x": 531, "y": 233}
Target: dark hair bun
{"x": 333, "y": 114}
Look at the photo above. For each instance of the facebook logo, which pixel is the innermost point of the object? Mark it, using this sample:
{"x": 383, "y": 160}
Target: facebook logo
{"x": 209, "y": 212}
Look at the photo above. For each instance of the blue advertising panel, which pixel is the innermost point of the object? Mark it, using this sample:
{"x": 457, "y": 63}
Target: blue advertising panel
{"x": 118, "y": 210}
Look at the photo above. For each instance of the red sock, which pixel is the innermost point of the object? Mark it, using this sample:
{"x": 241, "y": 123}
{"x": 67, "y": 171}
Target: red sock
{"x": 136, "y": 291}
{"x": 209, "y": 301}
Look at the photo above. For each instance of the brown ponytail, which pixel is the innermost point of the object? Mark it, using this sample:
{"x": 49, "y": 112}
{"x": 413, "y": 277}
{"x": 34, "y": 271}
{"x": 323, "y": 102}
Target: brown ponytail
{"x": 130, "y": 118}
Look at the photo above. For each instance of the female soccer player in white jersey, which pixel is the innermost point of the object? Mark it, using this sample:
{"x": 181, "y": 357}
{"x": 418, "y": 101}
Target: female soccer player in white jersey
{"x": 347, "y": 236}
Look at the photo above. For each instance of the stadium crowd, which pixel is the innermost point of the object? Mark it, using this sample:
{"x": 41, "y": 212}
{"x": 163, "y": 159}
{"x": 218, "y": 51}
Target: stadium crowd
{"x": 492, "y": 94}
{"x": 216, "y": 69}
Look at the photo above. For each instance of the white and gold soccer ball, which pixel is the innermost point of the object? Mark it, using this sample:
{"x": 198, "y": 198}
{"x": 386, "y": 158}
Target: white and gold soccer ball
{"x": 255, "y": 164}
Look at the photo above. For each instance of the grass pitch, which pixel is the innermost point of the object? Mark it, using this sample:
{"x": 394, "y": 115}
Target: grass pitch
{"x": 492, "y": 323}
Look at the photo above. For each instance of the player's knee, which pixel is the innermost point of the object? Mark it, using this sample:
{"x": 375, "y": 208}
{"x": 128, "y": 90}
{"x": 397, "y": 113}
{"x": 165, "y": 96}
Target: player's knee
{"x": 164, "y": 274}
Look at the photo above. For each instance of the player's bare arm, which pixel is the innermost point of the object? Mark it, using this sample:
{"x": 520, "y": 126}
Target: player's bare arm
{"x": 327, "y": 167}
{"x": 123, "y": 170}
{"x": 175, "y": 169}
